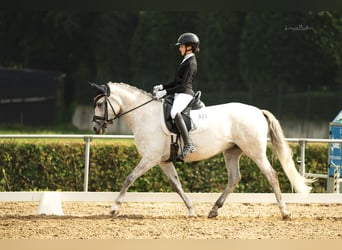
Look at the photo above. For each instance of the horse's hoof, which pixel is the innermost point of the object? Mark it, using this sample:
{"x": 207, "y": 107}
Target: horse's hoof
{"x": 192, "y": 213}
{"x": 113, "y": 213}
{"x": 213, "y": 214}
{"x": 286, "y": 216}
{"x": 114, "y": 210}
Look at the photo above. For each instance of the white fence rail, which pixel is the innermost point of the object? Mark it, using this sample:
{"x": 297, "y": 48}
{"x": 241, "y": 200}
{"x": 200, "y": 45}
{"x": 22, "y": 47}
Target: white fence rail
{"x": 321, "y": 198}
{"x": 88, "y": 138}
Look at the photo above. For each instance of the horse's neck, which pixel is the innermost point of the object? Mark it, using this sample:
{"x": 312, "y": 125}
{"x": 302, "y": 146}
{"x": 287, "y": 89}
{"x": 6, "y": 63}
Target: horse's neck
{"x": 131, "y": 99}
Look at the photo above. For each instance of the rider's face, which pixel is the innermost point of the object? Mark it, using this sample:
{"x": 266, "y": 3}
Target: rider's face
{"x": 182, "y": 49}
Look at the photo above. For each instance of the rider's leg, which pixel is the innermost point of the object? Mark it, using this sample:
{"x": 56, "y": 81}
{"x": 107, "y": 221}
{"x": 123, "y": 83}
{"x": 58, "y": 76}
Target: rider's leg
{"x": 181, "y": 101}
{"x": 188, "y": 145}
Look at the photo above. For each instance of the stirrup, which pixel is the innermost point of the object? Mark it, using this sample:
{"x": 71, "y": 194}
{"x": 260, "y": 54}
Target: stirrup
{"x": 187, "y": 149}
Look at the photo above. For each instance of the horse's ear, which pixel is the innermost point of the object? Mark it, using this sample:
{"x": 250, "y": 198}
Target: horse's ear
{"x": 92, "y": 84}
{"x": 102, "y": 88}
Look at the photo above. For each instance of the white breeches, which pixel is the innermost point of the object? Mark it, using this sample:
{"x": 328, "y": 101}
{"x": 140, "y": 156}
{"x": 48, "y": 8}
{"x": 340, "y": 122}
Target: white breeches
{"x": 179, "y": 104}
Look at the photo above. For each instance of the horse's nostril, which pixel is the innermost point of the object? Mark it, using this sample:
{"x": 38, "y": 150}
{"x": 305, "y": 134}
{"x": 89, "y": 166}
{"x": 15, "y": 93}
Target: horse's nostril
{"x": 95, "y": 129}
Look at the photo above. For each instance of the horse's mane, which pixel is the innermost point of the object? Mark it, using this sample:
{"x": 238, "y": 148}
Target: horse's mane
{"x": 131, "y": 88}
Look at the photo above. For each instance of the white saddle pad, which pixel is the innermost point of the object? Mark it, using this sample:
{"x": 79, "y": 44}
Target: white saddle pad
{"x": 199, "y": 121}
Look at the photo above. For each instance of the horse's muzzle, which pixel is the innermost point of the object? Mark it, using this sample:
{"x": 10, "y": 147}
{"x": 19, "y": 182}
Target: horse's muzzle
{"x": 99, "y": 129}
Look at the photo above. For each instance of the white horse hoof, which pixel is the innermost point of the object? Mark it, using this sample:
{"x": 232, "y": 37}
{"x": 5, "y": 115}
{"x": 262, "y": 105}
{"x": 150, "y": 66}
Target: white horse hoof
{"x": 114, "y": 210}
{"x": 192, "y": 215}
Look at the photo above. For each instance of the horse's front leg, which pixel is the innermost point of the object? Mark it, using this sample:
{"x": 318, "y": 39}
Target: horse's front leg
{"x": 143, "y": 166}
{"x": 170, "y": 171}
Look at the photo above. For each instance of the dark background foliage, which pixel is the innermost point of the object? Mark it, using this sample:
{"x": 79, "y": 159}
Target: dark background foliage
{"x": 272, "y": 59}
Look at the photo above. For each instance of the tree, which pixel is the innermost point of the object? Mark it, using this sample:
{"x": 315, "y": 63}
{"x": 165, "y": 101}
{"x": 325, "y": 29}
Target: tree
{"x": 106, "y": 42}
{"x": 114, "y": 34}
{"x": 221, "y": 54}
{"x": 289, "y": 51}
{"x": 153, "y": 54}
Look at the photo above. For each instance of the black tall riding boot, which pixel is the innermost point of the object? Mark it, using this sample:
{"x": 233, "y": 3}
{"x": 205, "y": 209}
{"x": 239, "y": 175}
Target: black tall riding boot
{"x": 188, "y": 146}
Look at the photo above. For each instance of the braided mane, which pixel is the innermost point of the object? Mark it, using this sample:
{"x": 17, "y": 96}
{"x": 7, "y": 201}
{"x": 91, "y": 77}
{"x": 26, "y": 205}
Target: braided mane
{"x": 131, "y": 88}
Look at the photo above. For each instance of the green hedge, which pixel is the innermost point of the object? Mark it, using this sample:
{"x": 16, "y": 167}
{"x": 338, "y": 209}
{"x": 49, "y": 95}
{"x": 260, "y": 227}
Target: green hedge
{"x": 60, "y": 166}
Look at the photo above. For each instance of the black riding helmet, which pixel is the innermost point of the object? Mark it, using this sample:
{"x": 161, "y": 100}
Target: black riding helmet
{"x": 189, "y": 39}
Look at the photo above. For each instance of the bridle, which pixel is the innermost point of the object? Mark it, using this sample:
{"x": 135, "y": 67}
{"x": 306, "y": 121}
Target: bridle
{"x": 105, "y": 116}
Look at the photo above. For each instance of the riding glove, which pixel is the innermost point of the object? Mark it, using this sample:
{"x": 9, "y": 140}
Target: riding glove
{"x": 157, "y": 88}
{"x": 160, "y": 94}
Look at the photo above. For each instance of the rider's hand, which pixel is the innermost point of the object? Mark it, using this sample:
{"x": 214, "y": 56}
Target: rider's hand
{"x": 160, "y": 94}
{"x": 157, "y": 88}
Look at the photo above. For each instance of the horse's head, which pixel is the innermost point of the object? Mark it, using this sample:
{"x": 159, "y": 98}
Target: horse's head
{"x": 104, "y": 107}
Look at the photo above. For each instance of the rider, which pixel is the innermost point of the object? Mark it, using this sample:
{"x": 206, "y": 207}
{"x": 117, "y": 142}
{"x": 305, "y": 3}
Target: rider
{"x": 181, "y": 87}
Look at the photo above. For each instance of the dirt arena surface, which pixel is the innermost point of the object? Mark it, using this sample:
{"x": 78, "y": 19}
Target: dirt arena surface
{"x": 91, "y": 220}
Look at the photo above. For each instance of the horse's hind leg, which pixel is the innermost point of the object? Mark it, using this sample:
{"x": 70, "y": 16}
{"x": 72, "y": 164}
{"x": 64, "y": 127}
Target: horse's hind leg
{"x": 170, "y": 171}
{"x": 231, "y": 157}
{"x": 272, "y": 178}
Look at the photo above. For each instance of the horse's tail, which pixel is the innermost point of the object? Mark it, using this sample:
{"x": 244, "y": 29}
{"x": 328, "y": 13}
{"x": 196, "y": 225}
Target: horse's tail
{"x": 300, "y": 183}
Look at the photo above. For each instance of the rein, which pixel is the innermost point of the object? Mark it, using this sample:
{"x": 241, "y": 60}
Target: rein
{"x": 116, "y": 116}
{"x": 119, "y": 115}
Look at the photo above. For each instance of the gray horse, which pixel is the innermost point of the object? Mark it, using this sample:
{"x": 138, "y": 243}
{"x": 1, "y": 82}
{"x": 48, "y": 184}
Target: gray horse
{"x": 231, "y": 129}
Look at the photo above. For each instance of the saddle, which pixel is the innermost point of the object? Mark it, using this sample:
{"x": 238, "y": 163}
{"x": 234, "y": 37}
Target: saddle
{"x": 195, "y": 104}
